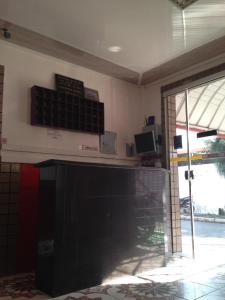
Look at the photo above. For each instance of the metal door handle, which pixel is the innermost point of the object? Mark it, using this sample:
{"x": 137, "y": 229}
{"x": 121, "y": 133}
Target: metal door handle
{"x": 187, "y": 175}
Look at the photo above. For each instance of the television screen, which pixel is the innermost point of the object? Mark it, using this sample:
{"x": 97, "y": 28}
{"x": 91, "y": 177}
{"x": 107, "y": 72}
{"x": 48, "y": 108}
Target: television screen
{"x": 145, "y": 142}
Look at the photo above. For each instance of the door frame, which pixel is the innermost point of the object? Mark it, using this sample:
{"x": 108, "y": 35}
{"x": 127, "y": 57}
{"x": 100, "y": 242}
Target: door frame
{"x": 168, "y": 114}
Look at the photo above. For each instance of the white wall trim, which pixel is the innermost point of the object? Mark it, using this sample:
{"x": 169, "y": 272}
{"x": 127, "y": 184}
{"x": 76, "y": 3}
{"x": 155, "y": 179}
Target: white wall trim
{"x": 188, "y": 71}
{"x": 19, "y": 150}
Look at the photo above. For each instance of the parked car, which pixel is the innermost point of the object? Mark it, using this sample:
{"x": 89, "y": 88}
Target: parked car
{"x": 185, "y": 205}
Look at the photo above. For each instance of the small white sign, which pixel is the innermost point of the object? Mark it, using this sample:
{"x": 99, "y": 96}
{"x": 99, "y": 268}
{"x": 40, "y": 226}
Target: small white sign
{"x": 54, "y": 133}
{"x": 88, "y": 148}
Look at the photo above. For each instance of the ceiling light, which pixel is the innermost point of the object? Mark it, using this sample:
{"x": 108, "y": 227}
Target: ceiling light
{"x": 115, "y": 49}
{"x": 183, "y": 3}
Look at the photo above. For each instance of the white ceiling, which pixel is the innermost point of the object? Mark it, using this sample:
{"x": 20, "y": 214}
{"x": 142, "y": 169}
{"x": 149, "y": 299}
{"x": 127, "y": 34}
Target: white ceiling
{"x": 149, "y": 32}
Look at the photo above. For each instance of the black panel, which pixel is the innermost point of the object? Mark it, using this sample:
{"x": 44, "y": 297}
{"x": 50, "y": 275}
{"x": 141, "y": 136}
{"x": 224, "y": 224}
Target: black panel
{"x": 177, "y": 141}
{"x": 108, "y": 221}
{"x": 46, "y": 229}
{"x": 65, "y": 111}
{"x": 69, "y": 85}
{"x": 206, "y": 133}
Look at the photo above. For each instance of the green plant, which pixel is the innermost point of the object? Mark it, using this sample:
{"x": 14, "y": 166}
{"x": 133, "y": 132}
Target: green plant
{"x": 218, "y": 145}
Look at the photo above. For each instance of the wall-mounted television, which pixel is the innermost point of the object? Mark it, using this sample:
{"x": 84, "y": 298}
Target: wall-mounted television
{"x": 145, "y": 142}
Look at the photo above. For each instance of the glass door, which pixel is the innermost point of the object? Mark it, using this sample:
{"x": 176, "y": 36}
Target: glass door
{"x": 179, "y": 162}
{"x": 199, "y": 154}
{"x": 182, "y": 145}
{"x": 207, "y": 148}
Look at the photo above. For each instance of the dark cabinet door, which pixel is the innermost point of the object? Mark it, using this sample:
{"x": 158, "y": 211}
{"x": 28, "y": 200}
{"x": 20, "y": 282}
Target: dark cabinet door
{"x": 94, "y": 219}
{"x": 106, "y": 224}
{"x": 46, "y": 230}
{"x": 66, "y": 257}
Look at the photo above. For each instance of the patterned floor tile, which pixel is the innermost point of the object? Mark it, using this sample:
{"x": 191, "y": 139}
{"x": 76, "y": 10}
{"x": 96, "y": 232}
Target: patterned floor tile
{"x": 217, "y": 295}
{"x": 20, "y": 286}
{"x": 88, "y": 296}
{"x": 158, "y": 284}
{"x": 177, "y": 271}
{"x": 212, "y": 279}
{"x": 144, "y": 291}
{"x": 124, "y": 280}
{"x": 183, "y": 289}
{"x": 220, "y": 270}
{"x": 100, "y": 289}
{"x": 166, "y": 274}
{"x": 136, "y": 291}
{"x": 141, "y": 291}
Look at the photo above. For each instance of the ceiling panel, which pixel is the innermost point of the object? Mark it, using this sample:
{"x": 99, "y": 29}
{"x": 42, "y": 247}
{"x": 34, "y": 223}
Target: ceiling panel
{"x": 138, "y": 35}
{"x": 183, "y": 3}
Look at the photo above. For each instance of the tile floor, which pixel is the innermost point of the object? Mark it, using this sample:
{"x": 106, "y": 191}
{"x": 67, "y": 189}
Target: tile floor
{"x": 181, "y": 279}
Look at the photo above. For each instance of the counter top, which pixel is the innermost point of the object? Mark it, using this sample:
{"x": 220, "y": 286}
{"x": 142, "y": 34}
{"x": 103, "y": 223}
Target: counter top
{"x": 54, "y": 162}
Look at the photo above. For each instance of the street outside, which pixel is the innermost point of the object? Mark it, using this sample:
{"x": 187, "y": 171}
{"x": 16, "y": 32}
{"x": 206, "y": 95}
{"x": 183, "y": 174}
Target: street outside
{"x": 208, "y": 195}
{"x": 209, "y": 240}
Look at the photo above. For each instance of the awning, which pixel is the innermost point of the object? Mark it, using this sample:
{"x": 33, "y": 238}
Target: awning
{"x": 206, "y": 107}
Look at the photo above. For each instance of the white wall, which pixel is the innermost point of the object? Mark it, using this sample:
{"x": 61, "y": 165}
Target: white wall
{"x": 25, "y": 143}
{"x": 126, "y": 105}
{"x": 151, "y": 93}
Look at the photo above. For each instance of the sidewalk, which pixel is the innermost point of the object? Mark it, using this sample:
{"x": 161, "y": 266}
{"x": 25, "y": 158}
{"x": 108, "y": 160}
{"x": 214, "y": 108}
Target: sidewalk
{"x": 205, "y": 219}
